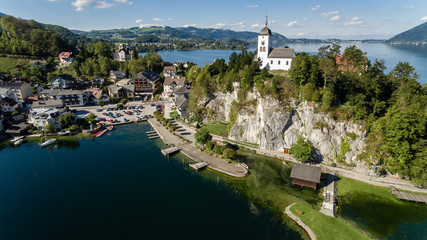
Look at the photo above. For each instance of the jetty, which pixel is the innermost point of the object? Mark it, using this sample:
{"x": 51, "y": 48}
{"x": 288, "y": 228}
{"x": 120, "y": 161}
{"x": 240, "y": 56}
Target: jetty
{"x": 101, "y": 133}
{"x": 152, "y": 135}
{"x": 412, "y": 197}
{"x": 198, "y": 166}
{"x": 169, "y": 151}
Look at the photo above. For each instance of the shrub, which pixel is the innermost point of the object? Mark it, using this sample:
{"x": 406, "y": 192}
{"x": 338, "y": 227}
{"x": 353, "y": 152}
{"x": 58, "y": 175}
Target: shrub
{"x": 218, "y": 149}
{"x": 228, "y": 153}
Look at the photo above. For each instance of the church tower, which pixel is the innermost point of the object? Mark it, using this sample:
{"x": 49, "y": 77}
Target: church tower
{"x": 264, "y": 44}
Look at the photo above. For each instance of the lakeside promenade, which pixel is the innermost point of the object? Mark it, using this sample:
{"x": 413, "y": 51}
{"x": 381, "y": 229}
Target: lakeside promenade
{"x": 190, "y": 150}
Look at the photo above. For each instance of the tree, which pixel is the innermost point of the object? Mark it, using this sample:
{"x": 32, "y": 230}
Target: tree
{"x": 228, "y": 153}
{"x": 218, "y": 149}
{"x": 210, "y": 145}
{"x": 302, "y": 150}
{"x": 101, "y": 103}
{"x": 50, "y": 128}
{"x": 66, "y": 119}
{"x": 202, "y": 136}
{"x": 91, "y": 116}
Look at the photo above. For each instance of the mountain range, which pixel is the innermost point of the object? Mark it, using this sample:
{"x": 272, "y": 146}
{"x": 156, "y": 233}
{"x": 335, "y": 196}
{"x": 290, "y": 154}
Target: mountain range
{"x": 415, "y": 35}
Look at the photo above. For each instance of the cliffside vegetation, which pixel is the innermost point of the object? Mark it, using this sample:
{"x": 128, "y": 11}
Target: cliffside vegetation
{"x": 347, "y": 86}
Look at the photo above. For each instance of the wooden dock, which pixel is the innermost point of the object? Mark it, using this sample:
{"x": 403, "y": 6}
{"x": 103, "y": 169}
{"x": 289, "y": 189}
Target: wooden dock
{"x": 408, "y": 196}
{"x": 169, "y": 151}
{"x": 198, "y": 166}
{"x": 102, "y": 133}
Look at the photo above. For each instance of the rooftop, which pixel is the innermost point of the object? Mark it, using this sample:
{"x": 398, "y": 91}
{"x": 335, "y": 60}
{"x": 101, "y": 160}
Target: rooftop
{"x": 306, "y": 172}
{"x": 282, "y": 53}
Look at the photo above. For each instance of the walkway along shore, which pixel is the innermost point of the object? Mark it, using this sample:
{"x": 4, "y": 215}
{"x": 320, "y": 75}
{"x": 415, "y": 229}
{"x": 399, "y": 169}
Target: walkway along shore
{"x": 195, "y": 154}
{"x": 299, "y": 222}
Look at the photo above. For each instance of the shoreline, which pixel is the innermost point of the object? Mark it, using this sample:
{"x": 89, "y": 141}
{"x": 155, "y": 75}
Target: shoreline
{"x": 298, "y": 221}
{"x": 195, "y": 154}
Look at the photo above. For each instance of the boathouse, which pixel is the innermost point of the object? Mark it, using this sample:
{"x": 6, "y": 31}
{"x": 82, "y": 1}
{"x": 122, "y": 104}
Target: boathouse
{"x": 306, "y": 175}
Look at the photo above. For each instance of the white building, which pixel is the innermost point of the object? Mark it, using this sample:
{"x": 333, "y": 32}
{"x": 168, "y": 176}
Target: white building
{"x": 172, "y": 83}
{"x": 62, "y": 81}
{"x": 273, "y": 58}
{"x": 68, "y": 97}
{"x": 41, "y": 117}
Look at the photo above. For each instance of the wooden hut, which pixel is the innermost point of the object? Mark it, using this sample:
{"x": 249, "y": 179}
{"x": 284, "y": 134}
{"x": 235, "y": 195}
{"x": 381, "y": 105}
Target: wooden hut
{"x": 306, "y": 175}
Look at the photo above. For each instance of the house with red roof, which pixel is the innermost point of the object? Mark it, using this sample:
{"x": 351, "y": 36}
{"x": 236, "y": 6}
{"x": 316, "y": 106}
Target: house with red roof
{"x": 65, "y": 59}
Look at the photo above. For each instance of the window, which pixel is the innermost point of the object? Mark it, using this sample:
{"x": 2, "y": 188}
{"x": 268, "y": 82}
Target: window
{"x": 287, "y": 62}
{"x": 263, "y": 49}
{"x": 271, "y": 61}
{"x": 278, "y": 63}
{"x": 260, "y": 49}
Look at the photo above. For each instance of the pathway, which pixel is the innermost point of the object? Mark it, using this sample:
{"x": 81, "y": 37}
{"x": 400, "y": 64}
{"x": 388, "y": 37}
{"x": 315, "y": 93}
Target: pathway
{"x": 299, "y": 222}
{"x": 189, "y": 150}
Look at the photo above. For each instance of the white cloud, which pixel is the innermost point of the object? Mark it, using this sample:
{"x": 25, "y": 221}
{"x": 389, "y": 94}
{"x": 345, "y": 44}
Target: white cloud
{"x": 51, "y": 0}
{"x": 408, "y": 7}
{"x": 228, "y": 25}
{"x": 300, "y": 34}
{"x": 272, "y": 22}
{"x": 190, "y": 25}
{"x": 328, "y": 14}
{"x": 130, "y": 3}
{"x": 354, "y": 22}
{"x": 170, "y": 19}
{"x": 80, "y": 5}
{"x": 156, "y": 19}
{"x": 256, "y": 25}
{"x": 315, "y": 8}
{"x": 423, "y": 18}
{"x": 292, "y": 24}
{"x": 138, "y": 21}
{"x": 121, "y": 1}
{"x": 334, "y": 18}
{"x": 252, "y": 6}
{"x": 146, "y": 25}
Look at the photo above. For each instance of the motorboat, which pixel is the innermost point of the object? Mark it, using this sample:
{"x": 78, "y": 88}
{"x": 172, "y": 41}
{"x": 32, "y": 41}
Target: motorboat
{"x": 48, "y": 142}
{"x": 61, "y": 133}
{"x": 19, "y": 141}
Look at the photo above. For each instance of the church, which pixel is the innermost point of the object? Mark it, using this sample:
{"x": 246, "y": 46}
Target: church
{"x": 273, "y": 58}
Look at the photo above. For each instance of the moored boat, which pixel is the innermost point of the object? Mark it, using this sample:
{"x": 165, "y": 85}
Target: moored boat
{"x": 244, "y": 165}
{"x": 111, "y": 128}
{"x": 48, "y": 142}
{"x": 61, "y": 133}
{"x": 19, "y": 141}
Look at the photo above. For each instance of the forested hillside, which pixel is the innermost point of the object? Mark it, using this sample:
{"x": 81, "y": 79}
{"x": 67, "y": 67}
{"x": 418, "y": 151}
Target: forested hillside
{"x": 391, "y": 107}
{"x": 27, "y": 37}
{"x": 417, "y": 34}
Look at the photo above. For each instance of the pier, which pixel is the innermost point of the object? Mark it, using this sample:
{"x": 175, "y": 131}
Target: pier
{"x": 169, "y": 151}
{"x": 198, "y": 166}
{"x": 412, "y": 197}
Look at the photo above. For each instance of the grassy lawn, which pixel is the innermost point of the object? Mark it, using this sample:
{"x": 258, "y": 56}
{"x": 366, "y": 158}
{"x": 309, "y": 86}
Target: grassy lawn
{"x": 8, "y": 64}
{"x": 216, "y": 128}
{"x": 326, "y": 227}
{"x": 375, "y": 210}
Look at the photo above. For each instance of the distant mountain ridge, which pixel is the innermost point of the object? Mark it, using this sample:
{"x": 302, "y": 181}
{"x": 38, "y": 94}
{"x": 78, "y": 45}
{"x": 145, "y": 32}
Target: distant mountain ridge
{"x": 179, "y": 33}
{"x": 415, "y": 35}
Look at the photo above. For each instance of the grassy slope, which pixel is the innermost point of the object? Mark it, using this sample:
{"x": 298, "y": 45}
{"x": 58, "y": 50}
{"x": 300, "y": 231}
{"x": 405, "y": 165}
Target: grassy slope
{"x": 326, "y": 227}
{"x": 217, "y": 128}
{"x": 8, "y": 64}
{"x": 374, "y": 209}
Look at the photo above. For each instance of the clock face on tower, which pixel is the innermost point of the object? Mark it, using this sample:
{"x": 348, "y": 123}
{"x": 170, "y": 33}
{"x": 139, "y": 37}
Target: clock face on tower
{"x": 262, "y": 43}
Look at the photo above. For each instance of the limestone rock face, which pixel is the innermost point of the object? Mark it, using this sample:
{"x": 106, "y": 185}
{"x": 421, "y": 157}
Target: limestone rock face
{"x": 275, "y": 126}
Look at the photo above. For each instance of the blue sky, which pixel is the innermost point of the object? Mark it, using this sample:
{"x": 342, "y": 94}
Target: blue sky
{"x": 344, "y": 19}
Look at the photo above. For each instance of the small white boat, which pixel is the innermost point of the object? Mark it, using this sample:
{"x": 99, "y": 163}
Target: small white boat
{"x": 244, "y": 165}
{"x": 19, "y": 141}
{"x": 61, "y": 133}
{"x": 48, "y": 142}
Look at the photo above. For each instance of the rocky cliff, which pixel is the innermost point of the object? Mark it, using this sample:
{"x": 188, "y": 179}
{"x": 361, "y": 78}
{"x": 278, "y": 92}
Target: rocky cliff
{"x": 272, "y": 125}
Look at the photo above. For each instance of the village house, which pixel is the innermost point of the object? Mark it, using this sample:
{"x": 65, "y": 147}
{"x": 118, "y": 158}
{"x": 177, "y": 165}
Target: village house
{"x": 306, "y": 175}
{"x": 123, "y": 53}
{"x": 68, "y": 97}
{"x": 146, "y": 84}
{"x": 21, "y": 89}
{"x": 117, "y": 75}
{"x": 97, "y": 95}
{"x": 169, "y": 71}
{"x": 121, "y": 92}
{"x": 181, "y": 100}
{"x": 8, "y": 93}
{"x": 53, "y": 103}
{"x": 41, "y": 117}
{"x": 173, "y": 83}
{"x": 62, "y": 81}
{"x": 65, "y": 59}
{"x": 8, "y": 105}
{"x": 273, "y": 58}
{"x": 42, "y": 64}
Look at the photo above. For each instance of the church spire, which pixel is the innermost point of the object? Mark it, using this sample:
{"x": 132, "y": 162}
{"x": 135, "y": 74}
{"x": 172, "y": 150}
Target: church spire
{"x": 266, "y": 21}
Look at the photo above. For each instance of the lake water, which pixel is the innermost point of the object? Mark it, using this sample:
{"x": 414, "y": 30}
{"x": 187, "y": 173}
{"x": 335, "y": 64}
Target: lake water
{"x": 415, "y": 55}
{"x": 121, "y": 187}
